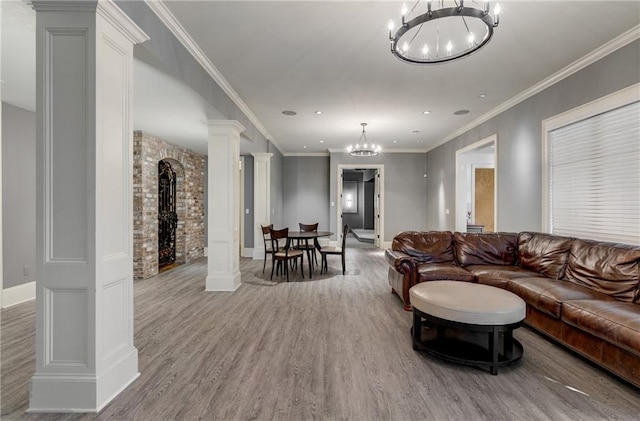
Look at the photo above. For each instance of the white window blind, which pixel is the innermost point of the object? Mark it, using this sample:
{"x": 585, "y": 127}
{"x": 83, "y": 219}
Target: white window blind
{"x": 594, "y": 177}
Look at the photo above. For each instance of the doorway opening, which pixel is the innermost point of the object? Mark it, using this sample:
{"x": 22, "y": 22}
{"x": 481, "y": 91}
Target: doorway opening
{"x": 361, "y": 205}
{"x": 167, "y": 215}
{"x": 477, "y": 186}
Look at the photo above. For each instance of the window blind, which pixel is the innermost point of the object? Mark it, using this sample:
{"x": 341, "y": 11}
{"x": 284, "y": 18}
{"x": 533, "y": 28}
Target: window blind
{"x": 594, "y": 176}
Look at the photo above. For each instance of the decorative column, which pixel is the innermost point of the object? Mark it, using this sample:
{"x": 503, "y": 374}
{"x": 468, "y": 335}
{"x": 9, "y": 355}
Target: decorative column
{"x": 84, "y": 218}
{"x": 224, "y": 206}
{"x": 261, "y": 199}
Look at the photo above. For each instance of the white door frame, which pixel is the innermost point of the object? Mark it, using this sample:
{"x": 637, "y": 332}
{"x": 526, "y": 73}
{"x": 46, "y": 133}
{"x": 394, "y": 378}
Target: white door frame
{"x": 458, "y": 206}
{"x": 379, "y": 239}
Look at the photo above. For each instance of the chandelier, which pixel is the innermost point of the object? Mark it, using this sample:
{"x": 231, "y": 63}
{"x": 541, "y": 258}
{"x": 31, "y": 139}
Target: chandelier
{"x": 443, "y": 32}
{"x": 363, "y": 148}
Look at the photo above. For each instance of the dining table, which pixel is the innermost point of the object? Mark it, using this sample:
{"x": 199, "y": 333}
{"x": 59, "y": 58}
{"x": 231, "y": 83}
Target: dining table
{"x": 307, "y": 236}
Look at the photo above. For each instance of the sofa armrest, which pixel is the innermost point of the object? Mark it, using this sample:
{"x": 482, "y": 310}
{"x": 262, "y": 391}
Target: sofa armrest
{"x": 402, "y": 274}
{"x": 400, "y": 261}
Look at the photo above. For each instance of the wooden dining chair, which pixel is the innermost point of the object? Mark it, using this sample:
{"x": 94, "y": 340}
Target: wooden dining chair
{"x": 267, "y": 243}
{"x": 302, "y": 245}
{"x": 284, "y": 253}
{"x": 324, "y": 251}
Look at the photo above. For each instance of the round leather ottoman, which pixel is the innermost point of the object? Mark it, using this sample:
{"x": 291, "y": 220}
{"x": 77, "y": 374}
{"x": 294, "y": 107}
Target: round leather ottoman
{"x": 467, "y": 323}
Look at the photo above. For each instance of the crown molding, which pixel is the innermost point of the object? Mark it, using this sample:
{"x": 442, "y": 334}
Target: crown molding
{"x": 114, "y": 15}
{"x": 176, "y": 28}
{"x": 308, "y": 154}
{"x": 600, "y": 52}
{"x": 404, "y": 151}
{"x": 384, "y": 151}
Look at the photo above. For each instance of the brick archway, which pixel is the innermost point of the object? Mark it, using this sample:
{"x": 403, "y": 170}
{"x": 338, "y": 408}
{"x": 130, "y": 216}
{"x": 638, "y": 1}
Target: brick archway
{"x": 188, "y": 165}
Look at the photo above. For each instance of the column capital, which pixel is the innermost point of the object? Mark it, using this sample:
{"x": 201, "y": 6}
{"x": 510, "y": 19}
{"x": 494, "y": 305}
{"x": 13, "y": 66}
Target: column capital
{"x": 105, "y": 8}
{"x": 225, "y": 125}
{"x": 64, "y": 5}
{"x": 262, "y": 155}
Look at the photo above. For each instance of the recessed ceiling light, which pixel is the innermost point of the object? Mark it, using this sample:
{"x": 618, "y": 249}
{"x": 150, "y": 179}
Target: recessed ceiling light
{"x": 426, "y": 112}
{"x": 461, "y": 112}
{"x": 482, "y": 96}
{"x": 322, "y": 141}
{"x": 318, "y": 112}
{"x": 395, "y": 141}
{"x": 305, "y": 146}
{"x": 289, "y": 112}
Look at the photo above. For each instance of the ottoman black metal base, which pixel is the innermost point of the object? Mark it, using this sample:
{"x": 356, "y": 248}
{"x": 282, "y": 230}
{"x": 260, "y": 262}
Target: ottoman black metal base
{"x": 485, "y": 346}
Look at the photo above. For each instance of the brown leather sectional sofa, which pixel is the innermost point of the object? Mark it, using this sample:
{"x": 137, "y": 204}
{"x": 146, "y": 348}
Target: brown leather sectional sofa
{"x": 584, "y": 294}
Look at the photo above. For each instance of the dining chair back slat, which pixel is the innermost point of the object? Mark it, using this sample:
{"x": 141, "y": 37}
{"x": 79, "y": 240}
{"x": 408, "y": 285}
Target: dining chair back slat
{"x": 284, "y": 253}
{"x": 324, "y": 251}
{"x": 266, "y": 238}
{"x": 304, "y": 245}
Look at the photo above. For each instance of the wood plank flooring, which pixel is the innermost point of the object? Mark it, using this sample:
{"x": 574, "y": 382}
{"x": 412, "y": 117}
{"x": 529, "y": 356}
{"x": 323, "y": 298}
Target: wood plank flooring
{"x": 331, "y": 348}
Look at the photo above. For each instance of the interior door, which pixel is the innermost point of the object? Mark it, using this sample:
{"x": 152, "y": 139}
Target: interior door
{"x": 167, "y": 216}
{"x": 484, "y": 198}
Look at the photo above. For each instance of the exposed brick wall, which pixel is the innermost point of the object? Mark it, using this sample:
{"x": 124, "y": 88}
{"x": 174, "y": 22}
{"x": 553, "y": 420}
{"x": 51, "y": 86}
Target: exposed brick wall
{"x": 189, "y": 168}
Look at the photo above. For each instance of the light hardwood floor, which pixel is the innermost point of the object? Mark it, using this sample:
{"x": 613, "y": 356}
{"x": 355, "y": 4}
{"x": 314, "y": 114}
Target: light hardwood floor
{"x": 332, "y": 348}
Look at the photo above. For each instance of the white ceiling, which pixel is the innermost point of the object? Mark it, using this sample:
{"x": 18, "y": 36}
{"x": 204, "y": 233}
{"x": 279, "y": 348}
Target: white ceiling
{"x": 333, "y": 56}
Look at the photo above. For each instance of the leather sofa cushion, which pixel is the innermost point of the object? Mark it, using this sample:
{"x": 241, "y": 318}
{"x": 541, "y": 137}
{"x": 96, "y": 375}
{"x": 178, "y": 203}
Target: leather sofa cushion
{"x": 425, "y": 247}
{"x": 485, "y": 248}
{"x": 614, "y": 321}
{"x": 543, "y": 253}
{"x": 443, "y": 272}
{"x": 547, "y": 295}
{"x": 608, "y": 268}
{"x": 498, "y": 275}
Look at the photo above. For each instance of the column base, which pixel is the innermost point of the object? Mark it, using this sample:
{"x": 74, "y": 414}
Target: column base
{"x": 61, "y": 392}
{"x": 222, "y": 283}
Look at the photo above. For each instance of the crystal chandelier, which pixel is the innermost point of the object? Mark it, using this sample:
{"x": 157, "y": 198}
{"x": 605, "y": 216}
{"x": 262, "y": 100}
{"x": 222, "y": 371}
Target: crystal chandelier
{"x": 363, "y": 148}
{"x": 446, "y": 31}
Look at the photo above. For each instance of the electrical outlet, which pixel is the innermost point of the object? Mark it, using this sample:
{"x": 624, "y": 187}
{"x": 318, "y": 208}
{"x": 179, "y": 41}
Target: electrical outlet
{"x": 25, "y": 271}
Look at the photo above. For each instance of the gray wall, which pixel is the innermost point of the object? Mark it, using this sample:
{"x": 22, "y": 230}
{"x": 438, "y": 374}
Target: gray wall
{"x": 18, "y": 194}
{"x": 405, "y": 189}
{"x": 355, "y": 220}
{"x": 306, "y": 191}
{"x": 519, "y": 131}
{"x": 248, "y": 201}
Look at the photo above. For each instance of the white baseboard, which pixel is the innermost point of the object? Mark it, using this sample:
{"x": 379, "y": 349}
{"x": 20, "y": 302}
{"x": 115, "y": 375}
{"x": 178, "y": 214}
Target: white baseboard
{"x": 18, "y": 294}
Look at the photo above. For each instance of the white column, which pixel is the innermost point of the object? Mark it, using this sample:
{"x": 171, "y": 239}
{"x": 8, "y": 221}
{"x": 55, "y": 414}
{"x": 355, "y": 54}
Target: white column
{"x": 224, "y": 206}
{"x": 84, "y": 218}
{"x": 261, "y": 199}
